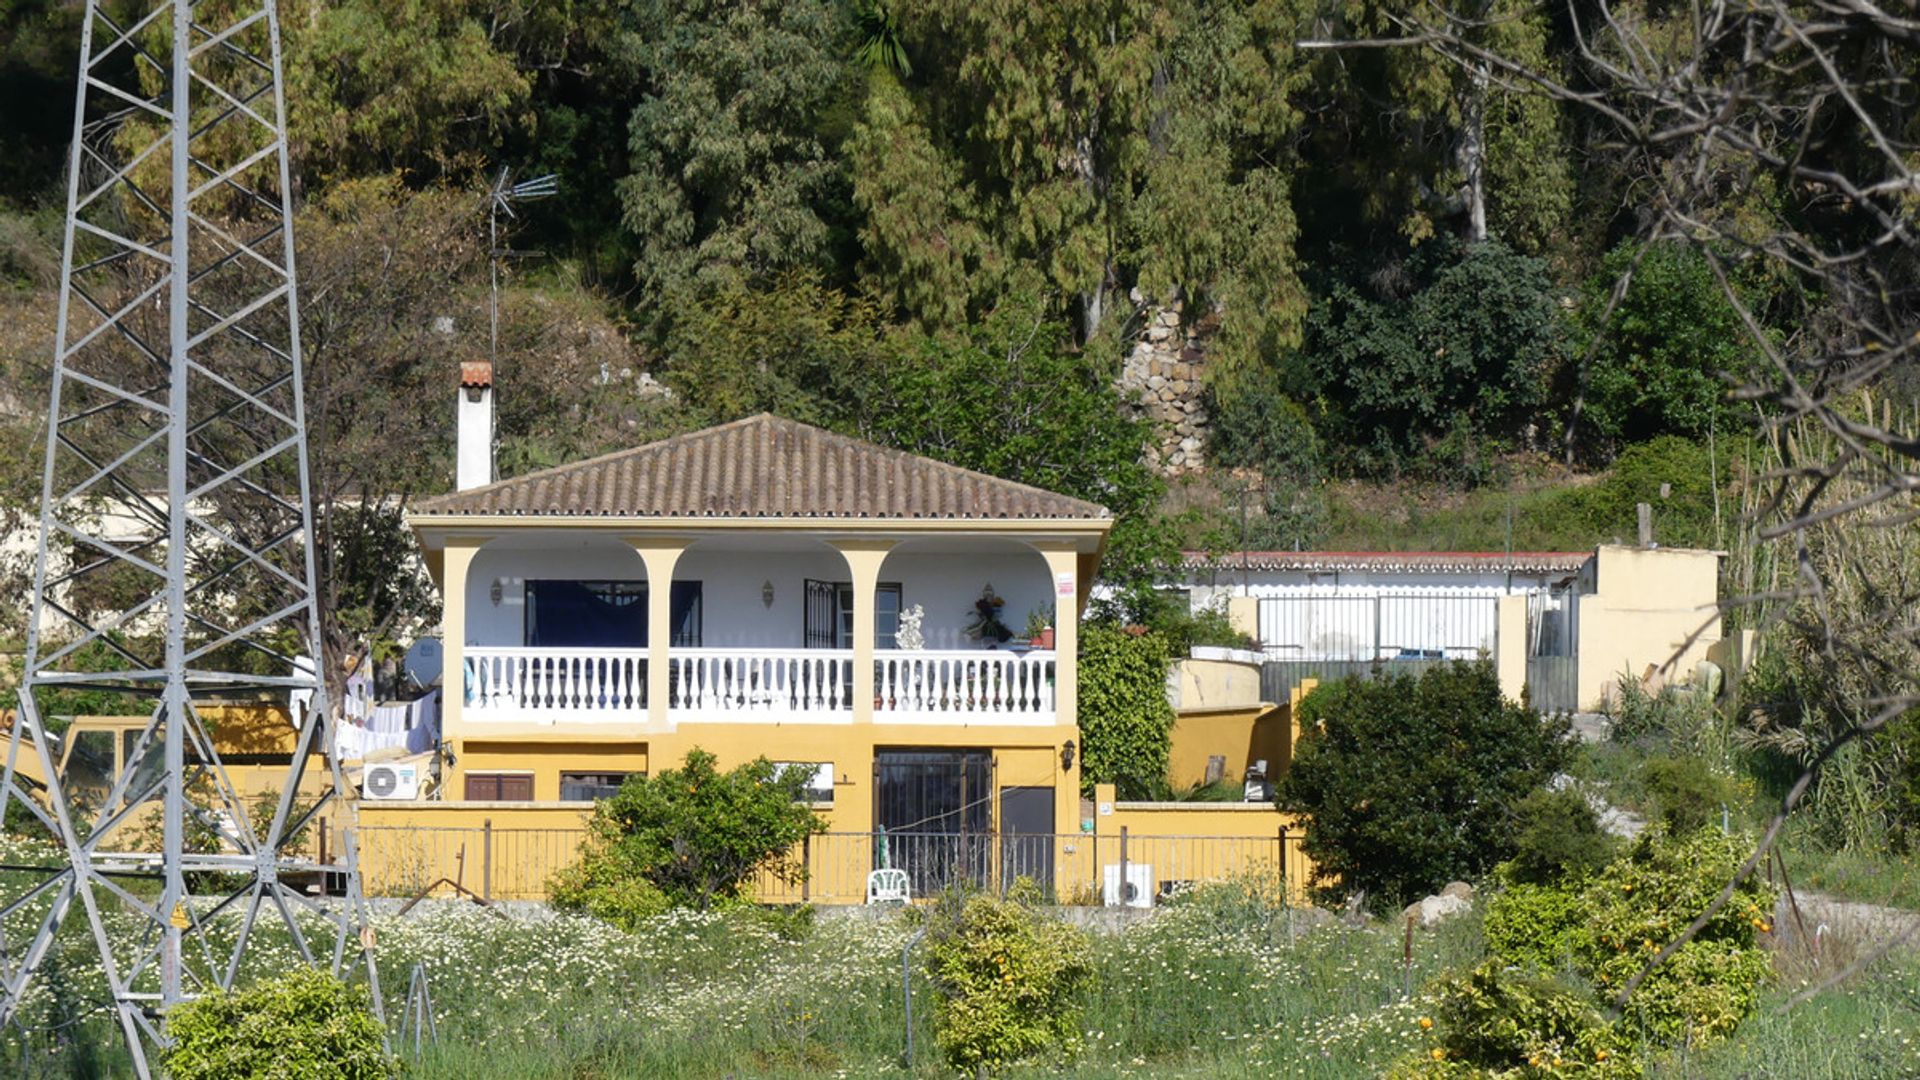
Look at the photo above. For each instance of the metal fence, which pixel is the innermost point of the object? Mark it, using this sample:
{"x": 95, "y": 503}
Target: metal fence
{"x": 1553, "y": 683}
{"x": 1369, "y": 627}
{"x": 495, "y": 864}
{"x": 1553, "y": 667}
{"x": 1080, "y": 868}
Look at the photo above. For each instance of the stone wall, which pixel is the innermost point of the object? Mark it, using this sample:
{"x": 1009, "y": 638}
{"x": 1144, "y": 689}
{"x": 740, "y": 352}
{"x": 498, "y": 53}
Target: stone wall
{"x": 1164, "y": 382}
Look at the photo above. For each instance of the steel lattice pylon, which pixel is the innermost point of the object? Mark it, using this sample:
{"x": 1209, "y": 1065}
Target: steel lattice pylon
{"x": 176, "y": 486}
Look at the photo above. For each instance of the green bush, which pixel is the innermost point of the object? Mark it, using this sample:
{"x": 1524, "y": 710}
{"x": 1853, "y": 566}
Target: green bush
{"x": 1008, "y": 979}
{"x": 1604, "y": 932}
{"x": 1260, "y": 427}
{"x": 1125, "y": 721}
{"x": 1182, "y": 630}
{"x": 304, "y": 1025}
{"x": 1435, "y": 365}
{"x": 1496, "y": 1022}
{"x": 1676, "y": 719}
{"x": 1683, "y": 517}
{"x": 1656, "y": 363}
{"x": 1557, "y": 836}
{"x": 609, "y": 887}
{"x": 1404, "y": 784}
{"x": 693, "y": 835}
{"x": 1688, "y": 793}
{"x": 1537, "y": 927}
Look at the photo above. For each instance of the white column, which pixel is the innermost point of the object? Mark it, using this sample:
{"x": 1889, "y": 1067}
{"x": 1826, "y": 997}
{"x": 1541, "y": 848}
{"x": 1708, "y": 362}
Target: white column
{"x": 864, "y": 559}
{"x": 660, "y": 554}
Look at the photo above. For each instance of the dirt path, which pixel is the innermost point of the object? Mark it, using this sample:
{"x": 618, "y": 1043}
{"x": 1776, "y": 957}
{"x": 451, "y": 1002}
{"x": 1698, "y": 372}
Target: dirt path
{"x": 1834, "y": 923}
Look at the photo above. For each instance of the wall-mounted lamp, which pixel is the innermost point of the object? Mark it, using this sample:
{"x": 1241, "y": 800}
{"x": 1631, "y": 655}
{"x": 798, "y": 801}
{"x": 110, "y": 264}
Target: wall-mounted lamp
{"x": 494, "y": 591}
{"x": 1066, "y": 756}
{"x": 766, "y": 594}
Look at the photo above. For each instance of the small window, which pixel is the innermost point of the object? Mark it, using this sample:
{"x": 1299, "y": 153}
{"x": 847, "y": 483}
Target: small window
{"x": 589, "y": 786}
{"x": 820, "y": 780}
{"x": 500, "y": 787}
{"x": 90, "y": 765}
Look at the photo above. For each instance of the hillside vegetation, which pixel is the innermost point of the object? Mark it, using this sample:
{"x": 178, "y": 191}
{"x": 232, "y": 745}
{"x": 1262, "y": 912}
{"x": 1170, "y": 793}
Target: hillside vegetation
{"x": 943, "y": 226}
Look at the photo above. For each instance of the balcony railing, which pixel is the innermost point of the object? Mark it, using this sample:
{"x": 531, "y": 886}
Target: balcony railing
{"x": 734, "y": 681}
{"x": 741, "y": 683}
{"x": 547, "y": 684}
{"x": 947, "y": 684}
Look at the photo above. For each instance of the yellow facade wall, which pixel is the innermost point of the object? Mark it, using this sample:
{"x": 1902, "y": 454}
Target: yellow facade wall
{"x": 1651, "y": 608}
{"x": 1024, "y": 756}
{"x": 545, "y": 761}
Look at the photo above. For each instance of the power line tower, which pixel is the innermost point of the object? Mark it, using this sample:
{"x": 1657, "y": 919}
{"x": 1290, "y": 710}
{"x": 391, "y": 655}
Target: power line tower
{"x": 175, "y": 495}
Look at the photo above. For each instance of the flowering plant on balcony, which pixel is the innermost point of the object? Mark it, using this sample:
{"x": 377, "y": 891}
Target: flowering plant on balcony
{"x": 986, "y": 625}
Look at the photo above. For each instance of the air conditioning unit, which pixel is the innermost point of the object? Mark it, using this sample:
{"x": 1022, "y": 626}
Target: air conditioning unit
{"x": 1137, "y": 891}
{"x": 386, "y": 781}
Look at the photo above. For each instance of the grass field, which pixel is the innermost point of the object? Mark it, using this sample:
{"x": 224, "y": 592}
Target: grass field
{"x": 1214, "y": 986}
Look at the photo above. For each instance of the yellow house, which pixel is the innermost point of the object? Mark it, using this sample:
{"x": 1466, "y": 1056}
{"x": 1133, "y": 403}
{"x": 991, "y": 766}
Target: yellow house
{"x": 766, "y": 588}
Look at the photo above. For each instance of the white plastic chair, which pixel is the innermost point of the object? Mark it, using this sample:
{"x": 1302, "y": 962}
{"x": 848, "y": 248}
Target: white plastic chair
{"x": 888, "y": 887}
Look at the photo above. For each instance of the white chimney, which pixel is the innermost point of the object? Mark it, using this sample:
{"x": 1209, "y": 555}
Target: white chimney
{"x": 474, "y": 424}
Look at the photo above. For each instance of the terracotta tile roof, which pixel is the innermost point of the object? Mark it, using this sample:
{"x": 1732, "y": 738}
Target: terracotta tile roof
{"x": 1428, "y": 562}
{"x": 476, "y": 373}
{"x": 763, "y": 466}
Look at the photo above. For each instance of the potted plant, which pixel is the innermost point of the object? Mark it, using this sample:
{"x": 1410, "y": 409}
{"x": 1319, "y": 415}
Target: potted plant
{"x": 986, "y": 627}
{"x": 1040, "y": 627}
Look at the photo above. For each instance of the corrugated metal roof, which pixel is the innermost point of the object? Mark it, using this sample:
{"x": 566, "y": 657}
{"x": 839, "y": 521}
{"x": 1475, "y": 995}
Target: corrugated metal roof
{"x": 476, "y": 373}
{"x": 1429, "y": 562}
{"x": 763, "y": 466}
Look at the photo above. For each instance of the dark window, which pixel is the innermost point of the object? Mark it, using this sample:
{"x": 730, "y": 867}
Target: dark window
{"x": 587, "y": 786}
{"x": 605, "y": 614}
{"x": 499, "y": 787}
{"x": 1026, "y": 835}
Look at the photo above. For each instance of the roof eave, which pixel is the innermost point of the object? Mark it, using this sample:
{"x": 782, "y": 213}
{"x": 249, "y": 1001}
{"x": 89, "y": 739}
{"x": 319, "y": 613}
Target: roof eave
{"x": 664, "y": 522}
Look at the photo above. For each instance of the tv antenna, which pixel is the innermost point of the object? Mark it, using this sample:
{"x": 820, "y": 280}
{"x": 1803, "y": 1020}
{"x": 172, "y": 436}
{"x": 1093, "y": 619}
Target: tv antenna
{"x": 176, "y": 475}
{"x": 500, "y": 200}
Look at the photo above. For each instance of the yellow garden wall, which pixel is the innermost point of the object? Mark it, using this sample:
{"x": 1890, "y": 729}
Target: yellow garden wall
{"x": 1189, "y": 842}
{"x": 1241, "y": 734}
{"x": 504, "y": 850}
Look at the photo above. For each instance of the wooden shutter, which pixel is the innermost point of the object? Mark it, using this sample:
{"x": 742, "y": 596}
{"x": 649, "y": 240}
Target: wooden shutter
{"x": 499, "y": 787}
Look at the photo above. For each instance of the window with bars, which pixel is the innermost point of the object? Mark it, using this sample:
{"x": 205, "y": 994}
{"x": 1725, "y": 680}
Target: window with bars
{"x": 589, "y": 786}
{"x": 830, "y": 614}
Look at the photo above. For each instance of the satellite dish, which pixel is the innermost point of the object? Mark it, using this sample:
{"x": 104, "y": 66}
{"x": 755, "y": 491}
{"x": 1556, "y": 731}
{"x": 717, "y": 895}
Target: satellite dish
{"x": 423, "y": 662}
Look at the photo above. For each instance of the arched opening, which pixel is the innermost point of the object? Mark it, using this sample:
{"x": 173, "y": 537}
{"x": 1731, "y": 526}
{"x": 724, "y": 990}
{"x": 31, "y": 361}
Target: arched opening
{"x": 556, "y": 628}
{"x": 963, "y": 635}
{"x": 767, "y": 630}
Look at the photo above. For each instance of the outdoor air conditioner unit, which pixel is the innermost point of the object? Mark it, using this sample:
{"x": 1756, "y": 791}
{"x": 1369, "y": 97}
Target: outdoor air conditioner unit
{"x": 386, "y": 781}
{"x": 1138, "y": 890}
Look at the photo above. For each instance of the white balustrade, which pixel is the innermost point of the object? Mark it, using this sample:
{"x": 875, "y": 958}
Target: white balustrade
{"x": 746, "y": 680}
{"x": 555, "y": 683}
{"x": 946, "y": 682}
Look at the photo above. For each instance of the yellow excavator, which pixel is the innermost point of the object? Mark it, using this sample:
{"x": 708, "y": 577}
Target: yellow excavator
{"x": 255, "y": 742}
